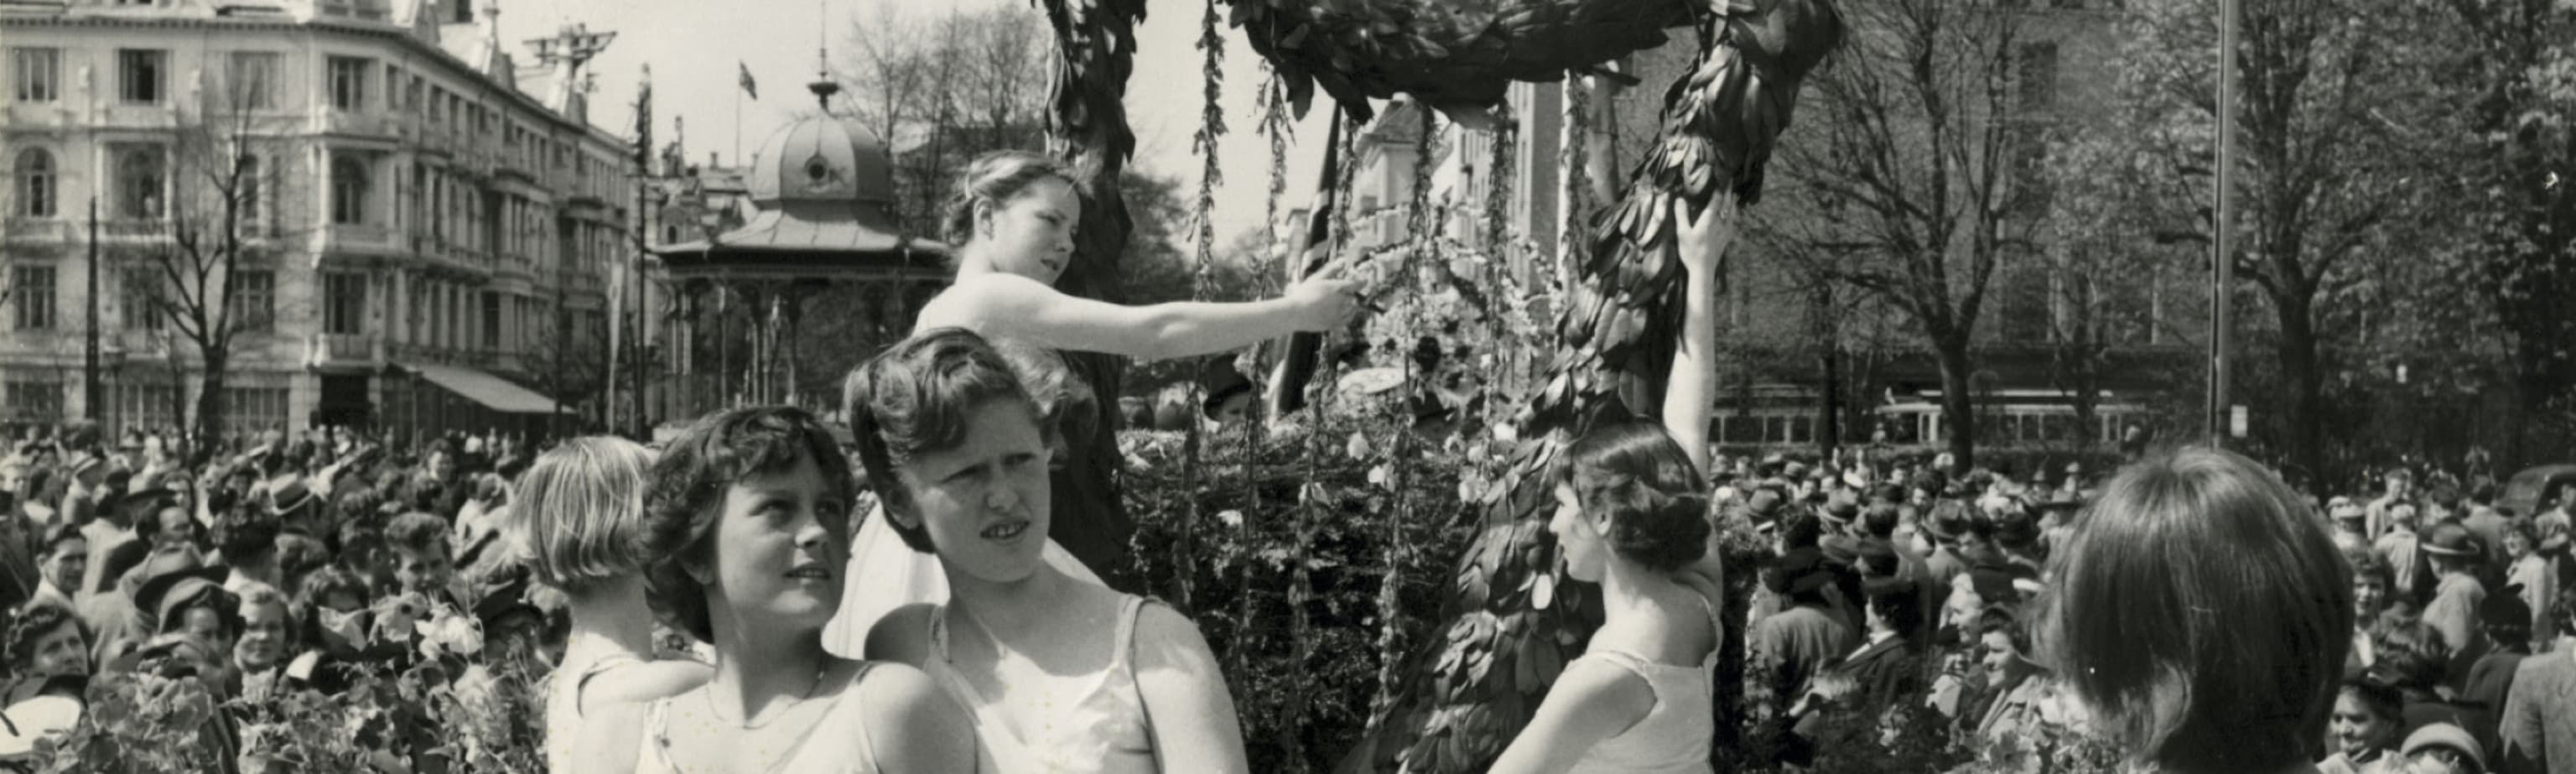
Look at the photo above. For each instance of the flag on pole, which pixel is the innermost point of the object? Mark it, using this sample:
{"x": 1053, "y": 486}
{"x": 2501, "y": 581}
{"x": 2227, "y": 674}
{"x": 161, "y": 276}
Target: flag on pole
{"x": 749, "y": 86}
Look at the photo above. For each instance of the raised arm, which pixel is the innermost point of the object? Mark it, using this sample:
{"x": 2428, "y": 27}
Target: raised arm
{"x": 1017, "y": 307}
{"x": 1702, "y": 240}
{"x": 1192, "y": 719}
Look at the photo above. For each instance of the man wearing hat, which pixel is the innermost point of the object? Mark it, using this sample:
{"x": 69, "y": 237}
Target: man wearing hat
{"x": 2454, "y": 610}
{"x": 1790, "y": 648}
{"x": 117, "y": 514}
{"x": 2351, "y": 525}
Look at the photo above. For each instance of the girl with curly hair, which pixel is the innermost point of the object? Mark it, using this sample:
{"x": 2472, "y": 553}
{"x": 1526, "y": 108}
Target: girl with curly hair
{"x": 1631, "y": 515}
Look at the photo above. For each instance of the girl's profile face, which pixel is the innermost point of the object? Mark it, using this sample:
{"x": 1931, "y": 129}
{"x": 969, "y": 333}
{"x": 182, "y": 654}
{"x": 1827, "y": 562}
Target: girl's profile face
{"x": 985, "y": 501}
{"x": 780, "y": 544}
{"x": 1578, "y": 542}
{"x": 1032, "y": 233}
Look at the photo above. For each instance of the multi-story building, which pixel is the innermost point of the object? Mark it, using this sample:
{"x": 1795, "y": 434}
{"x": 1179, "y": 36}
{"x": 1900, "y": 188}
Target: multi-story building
{"x": 428, "y": 229}
{"x": 2061, "y": 58}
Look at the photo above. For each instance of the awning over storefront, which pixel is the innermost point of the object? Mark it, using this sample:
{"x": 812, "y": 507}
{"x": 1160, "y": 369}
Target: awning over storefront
{"x": 493, "y": 392}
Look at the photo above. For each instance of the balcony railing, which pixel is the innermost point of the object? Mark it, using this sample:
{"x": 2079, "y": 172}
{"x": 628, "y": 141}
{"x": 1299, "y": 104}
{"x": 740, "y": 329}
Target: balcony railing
{"x": 344, "y": 350}
{"x": 343, "y": 236}
{"x": 37, "y": 230}
{"x": 361, "y": 124}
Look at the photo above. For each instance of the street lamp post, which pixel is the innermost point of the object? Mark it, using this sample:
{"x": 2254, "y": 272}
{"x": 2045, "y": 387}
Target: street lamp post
{"x": 2223, "y": 263}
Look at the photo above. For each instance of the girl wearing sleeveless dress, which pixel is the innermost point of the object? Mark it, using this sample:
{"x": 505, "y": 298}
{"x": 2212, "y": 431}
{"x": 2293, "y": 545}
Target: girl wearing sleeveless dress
{"x": 578, "y": 523}
{"x": 746, "y": 515}
{"x": 1012, "y": 220}
{"x": 1060, "y": 675}
{"x": 1632, "y": 517}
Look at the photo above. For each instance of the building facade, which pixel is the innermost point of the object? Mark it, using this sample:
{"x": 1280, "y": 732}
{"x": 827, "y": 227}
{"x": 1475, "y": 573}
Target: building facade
{"x": 428, "y": 232}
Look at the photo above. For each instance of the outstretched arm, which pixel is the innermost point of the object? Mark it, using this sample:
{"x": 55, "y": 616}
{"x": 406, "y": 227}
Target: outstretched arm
{"x": 1017, "y": 307}
{"x": 1702, "y": 241}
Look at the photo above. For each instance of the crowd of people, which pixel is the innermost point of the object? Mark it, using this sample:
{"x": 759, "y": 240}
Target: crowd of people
{"x": 761, "y": 595}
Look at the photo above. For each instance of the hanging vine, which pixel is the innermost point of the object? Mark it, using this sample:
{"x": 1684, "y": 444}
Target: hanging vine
{"x": 1211, "y": 45}
{"x": 1275, "y": 126}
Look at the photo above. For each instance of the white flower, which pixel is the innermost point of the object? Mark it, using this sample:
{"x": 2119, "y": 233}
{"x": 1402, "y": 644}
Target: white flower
{"x": 450, "y": 633}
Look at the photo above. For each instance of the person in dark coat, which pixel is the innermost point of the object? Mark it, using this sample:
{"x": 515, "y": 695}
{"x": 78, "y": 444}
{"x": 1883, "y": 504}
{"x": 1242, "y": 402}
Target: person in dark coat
{"x": 1793, "y": 646}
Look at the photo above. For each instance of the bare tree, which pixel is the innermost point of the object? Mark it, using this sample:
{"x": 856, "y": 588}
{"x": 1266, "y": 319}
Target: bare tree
{"x": 224, "y": 215}
{"x": 1908, "y": 180}
{"x": 944, "y": 89}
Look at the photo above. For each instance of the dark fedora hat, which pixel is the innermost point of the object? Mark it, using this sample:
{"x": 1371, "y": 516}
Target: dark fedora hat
{"x": 2450, "y": 538}
{"x": 172, "y": 571}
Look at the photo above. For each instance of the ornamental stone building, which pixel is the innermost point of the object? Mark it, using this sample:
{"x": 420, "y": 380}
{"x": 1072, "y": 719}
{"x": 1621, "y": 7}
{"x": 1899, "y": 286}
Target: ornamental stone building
{"x": 430, "y": 230}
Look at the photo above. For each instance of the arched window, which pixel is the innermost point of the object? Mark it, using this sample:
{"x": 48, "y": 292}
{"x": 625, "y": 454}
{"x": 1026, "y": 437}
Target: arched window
{"x": 140, "y": 183}
{"x": 348, "y": 190}
{"x": 35, "y": 183}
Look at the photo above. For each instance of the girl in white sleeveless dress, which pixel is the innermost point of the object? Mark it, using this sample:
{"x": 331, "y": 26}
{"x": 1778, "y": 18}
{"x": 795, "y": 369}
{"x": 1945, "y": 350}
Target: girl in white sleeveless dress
{"x": 1632, "y": 516}
{"x": 746, "y": 516}
{"x": 1060, "y": 675}
{"x": 1012, "y": 219}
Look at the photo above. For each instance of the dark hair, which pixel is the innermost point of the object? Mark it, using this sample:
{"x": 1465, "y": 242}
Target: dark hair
{"x": 2203, "y": 613}
{"x": 1632, "y": 472}
{"x": 18, "y": 650}
{"x": 2382, "y": 700}
{"x": 995, "y": 178}
{"x": 1801, "y": 529}
{"x": 1899, "y": 601}
{"x": 2007, "y": 618}
{"x": 120, "y": 560}
{"x": 147, "y": 522}
{"x": 685, "y": 495}
{"x": 249, "y": 534}
{"x": 1879, "y": 520}
{"x": 915, "y": 398}
{"x": 63, "y": 532}
{"x": 418, "y": 532}
{"x": 2410, "y": 657}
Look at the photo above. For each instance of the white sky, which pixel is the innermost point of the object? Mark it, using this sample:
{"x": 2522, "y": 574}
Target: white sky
{"x": 693, "y": 45}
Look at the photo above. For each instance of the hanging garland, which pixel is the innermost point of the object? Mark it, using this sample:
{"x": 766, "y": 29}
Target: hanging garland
{"x": 1211, "y": 126}
{"x": 1275, "y": 125}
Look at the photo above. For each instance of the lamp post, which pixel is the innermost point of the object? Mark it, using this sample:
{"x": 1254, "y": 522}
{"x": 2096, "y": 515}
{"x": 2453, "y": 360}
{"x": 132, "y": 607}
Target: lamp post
{"x": 2223, "y": 265}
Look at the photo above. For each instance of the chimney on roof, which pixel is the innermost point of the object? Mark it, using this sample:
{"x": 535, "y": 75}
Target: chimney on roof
{"x": 711, "y": 159}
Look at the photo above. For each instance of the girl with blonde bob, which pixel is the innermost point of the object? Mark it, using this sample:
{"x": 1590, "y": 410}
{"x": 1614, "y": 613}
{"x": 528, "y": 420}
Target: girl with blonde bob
{"x": 1060, "y": 675}
{"x": 2202, "y": 615}
{"x": 578, "y": 524}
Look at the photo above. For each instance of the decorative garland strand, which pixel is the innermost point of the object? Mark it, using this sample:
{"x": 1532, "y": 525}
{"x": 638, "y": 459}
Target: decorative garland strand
{"x": 1572, "y": 223}
{"x": 1311, "y": 495}
{"x": 1274, "y": 124}
{"x": 1500, "y": 250}
{"x": 1425, "y": 244}
{"x": 1211, "y": 127}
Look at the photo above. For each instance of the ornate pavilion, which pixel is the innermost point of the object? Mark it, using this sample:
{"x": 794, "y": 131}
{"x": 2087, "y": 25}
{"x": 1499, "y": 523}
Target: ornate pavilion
{"x": 819, "y": 276}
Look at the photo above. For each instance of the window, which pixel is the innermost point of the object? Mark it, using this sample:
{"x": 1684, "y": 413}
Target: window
{"x": 146, "y": 406}
{"x": 141, "y": 75}
{"x": 35, "y": 398}
{"x": 491, "y": 320}
{"x": 36, "y": 74}
{"x": 250, "y": 79}
{"x": 254, "y": 301}
{"x": 246, "y": 193}
{"x": 344, "y": 303}
{"x": 348, "y": 190}
{"x": 253, "y": 410}
{"x": 464, "y": 12}
{"x": 140, "y": 181}
{"x": 348, "y": 83}
{"x": 35, "y": 187}
{"x": 142, "y": 288}
{"x": 32, "y": 287}
{"x": 2038, "y": 72}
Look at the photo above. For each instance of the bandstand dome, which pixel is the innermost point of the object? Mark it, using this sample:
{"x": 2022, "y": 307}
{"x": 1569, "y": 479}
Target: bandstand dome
{"x": 823, "y": 191}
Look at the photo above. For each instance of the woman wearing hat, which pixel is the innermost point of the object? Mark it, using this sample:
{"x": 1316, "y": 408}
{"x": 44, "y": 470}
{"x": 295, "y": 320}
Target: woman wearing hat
{"x": 2442, "y": 748}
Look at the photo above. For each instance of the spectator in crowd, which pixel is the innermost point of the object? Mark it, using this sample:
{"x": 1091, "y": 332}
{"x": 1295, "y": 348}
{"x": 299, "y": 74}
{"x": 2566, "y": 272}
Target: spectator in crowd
{"x": 2398, "y": 485}
{"x": 2351, "y": 525}
{"x": 2370, "y": 582}
{"x": 2442, "y": 748}
{"x": 2365, "y": 729}
{"x": 64, "y": 559}
{"x": 2532, "y": 573}
{"x": 422, "y": 562}
{"x": 249, "y": 551}
{"x": 47, "y": 641}
{"x": 2507, "y": 622}
{"x": 2538, "y": 724}
{"x": 2400, "y": 546}
{"x": 2454, "y": 609}
{"x": 581, "y": 524}
{"x": 2414, "y": 659}
{"x": 2199, "y": 616}
{"x": 115, "y": 622}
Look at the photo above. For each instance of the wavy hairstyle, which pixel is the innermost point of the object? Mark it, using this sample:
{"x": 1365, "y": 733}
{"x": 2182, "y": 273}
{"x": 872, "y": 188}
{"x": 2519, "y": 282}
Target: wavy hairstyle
{"x": 1633, "y": 472}
{"x": 686, "y": 496}
{"x": 993, "y": 180}
{"x": 2203, "y": 613}
{"x": 915, "y": 398}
